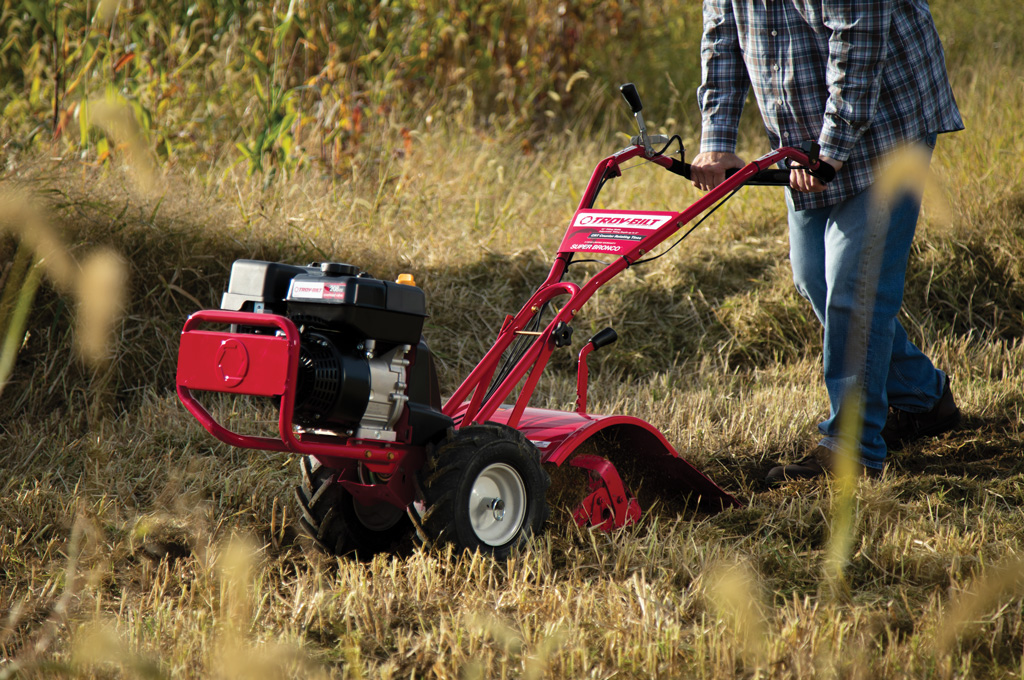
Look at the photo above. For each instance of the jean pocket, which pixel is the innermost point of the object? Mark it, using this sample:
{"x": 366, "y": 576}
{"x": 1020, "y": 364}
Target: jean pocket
{"x": 930, "y": 139}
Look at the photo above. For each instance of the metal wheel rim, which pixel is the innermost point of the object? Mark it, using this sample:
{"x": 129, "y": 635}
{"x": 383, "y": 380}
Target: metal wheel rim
{"x": 493, "y": 525}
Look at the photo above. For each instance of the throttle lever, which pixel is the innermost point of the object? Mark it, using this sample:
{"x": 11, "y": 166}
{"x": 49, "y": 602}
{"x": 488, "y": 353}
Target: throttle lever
{"x": 812, "y": 149}
{"x": 824, "y": 171}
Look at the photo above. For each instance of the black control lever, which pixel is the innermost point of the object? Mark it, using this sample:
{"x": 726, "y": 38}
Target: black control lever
{"x": 632, "y": 98}
{"x": 825, "y": 172}
{"x": 604, "y": 337}
{"x": 812, "y": 149}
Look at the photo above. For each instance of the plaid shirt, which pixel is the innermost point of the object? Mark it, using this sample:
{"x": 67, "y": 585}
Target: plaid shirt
{"x": 859, "y": 77}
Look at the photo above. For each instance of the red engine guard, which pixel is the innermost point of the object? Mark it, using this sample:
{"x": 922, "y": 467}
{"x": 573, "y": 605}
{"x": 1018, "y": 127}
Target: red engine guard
{"x": 265, "y": 365}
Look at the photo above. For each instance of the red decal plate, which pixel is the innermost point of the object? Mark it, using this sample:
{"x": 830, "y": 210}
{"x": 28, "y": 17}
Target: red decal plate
{"x": 611, "y": 231}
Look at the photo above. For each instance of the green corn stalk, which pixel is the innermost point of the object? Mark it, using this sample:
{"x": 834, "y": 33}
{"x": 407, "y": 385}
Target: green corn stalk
{"x": 15, "y": 302}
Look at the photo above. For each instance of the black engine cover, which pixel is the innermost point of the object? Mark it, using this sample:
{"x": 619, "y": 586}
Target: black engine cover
{"x": 333, "y": 387}
{"x": 339, "y": 294}
{"x": 382, "y": 310}
{"x": 339, "y": 310}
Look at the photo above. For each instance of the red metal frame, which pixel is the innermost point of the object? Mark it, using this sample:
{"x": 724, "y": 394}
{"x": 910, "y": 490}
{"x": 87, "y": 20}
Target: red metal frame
{"x": 582, "y": 377}
{"x": 536, "y": 357}
{"x": 223, "y": 361}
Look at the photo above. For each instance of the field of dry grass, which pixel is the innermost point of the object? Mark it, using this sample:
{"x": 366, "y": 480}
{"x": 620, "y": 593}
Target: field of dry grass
{"x": 134, "y": 545}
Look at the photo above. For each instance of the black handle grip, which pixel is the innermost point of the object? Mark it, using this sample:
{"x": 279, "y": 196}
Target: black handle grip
{"x": 773, "y": 177}
{"x": 632, "y": 97}
{"x": 604, "y": 337}
{"x": 825, "y": 172}
{"x": 681, "y": 168}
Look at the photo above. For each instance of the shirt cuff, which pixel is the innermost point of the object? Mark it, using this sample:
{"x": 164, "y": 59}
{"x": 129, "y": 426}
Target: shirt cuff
{"x": 837, "y": 141}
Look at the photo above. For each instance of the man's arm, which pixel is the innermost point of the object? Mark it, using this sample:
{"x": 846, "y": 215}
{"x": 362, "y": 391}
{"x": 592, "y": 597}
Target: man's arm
{"x": 723, "y": 89}
{"x": 857, "y": 50}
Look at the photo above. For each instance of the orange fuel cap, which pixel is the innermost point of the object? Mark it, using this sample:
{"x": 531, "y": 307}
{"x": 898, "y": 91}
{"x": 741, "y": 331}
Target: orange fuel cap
{"x": 406, "y": 280}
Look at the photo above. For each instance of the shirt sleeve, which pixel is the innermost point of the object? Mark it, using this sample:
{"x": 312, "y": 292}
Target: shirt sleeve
{"x": 857, "y": 50}
{"x": 724, "y": 79}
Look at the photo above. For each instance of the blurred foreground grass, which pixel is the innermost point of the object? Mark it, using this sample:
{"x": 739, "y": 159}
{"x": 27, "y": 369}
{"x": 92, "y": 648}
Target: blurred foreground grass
{"x": 132, "y": 544}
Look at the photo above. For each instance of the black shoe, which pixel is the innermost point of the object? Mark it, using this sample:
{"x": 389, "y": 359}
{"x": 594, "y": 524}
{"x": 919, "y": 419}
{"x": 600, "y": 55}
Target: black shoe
{"x": 903, "y": 427}
{"x": 818, "y": 463}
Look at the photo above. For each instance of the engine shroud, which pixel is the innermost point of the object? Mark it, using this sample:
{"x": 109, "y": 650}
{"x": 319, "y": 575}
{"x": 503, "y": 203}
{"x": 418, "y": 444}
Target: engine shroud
{"x": 364, "y": 370}
{"x": 343, "y": 298}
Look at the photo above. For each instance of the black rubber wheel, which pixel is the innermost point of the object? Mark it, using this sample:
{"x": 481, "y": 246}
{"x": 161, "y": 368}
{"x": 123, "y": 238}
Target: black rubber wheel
{"x": 484, "y": 489}
{"x": 340, "y": 525}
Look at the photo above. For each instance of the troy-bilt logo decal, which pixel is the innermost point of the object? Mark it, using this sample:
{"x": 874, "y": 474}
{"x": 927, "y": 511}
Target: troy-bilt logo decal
{"x": 611, "y": 231}
{"x": 588, "y": 218}
{"x": 308, "y": 289}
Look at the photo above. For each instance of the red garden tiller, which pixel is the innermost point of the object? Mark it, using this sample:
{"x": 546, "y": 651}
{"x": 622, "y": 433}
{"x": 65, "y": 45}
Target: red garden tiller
{"x": 383, "y": 459}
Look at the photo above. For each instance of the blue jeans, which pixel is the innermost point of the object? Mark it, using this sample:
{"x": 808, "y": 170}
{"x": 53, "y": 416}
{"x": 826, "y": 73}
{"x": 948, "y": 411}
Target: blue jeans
{"x": 850, "y": 261}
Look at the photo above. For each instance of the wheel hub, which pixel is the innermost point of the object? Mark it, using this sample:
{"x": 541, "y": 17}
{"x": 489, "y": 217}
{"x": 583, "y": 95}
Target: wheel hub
{"x": 497, "y": 504}
{"x": 497, "y": 507}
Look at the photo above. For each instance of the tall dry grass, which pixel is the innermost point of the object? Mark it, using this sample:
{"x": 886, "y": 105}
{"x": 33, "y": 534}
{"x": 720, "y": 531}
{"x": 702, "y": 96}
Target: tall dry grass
{"x": 131, "y": 544}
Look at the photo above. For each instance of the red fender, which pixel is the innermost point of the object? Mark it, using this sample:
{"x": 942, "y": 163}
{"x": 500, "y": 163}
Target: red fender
{"x": 557, "y": 434}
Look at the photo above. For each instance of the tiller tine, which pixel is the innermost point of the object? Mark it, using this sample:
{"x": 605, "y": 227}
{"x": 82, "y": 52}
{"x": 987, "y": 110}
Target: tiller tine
{"x": 608, "y": 506}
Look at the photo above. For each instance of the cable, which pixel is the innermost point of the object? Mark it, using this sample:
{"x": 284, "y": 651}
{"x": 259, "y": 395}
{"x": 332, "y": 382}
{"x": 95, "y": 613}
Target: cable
{"x": 515, "y": 351}
{"x": 689, "y": 231}
{"x": 673, "y": 138}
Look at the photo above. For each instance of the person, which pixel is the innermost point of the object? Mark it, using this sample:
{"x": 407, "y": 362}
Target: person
{"x": 863, "y": 79}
